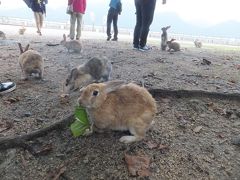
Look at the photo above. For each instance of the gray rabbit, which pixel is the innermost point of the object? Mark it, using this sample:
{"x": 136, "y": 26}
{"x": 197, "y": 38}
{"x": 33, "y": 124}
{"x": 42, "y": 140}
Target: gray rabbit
{"x": 72, "y": 45}
{"x": 94, "y": 70}
{"x": 2, "y": 35}
{"x": 164, "y": 38}
{"x": 198, "y": 43}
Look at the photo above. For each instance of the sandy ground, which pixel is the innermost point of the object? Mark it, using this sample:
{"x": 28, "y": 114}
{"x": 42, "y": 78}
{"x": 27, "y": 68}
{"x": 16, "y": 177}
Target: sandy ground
{"x": 191, "y": 137}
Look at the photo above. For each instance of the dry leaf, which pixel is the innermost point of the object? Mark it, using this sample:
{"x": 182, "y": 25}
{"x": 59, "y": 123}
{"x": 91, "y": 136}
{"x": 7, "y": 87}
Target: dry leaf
{"x": 151, "y": 145}
{"x": 138, "y": 165}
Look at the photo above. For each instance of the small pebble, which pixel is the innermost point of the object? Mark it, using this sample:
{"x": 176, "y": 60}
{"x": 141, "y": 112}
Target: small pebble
{"x": 197, "y": 129}
{"x": 236, "y": 141}
{"x": 27, "y": 114}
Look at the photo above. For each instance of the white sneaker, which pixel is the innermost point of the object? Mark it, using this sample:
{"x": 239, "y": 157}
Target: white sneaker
{"x": 144, "y": 48}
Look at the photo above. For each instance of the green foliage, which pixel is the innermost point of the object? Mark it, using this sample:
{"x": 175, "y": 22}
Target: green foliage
{"x": 81, "y": 124}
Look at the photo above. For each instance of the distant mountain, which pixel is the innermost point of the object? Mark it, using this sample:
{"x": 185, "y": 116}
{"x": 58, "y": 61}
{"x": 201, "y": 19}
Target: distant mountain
{"x": 228, "y": 29}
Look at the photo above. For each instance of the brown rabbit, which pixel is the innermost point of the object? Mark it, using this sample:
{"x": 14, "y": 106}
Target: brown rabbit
{"x": 173, "y": 45}
{"x": 22, "y": 30}
{"x": 31, "y": 62}
{"x": 115, "y": 105}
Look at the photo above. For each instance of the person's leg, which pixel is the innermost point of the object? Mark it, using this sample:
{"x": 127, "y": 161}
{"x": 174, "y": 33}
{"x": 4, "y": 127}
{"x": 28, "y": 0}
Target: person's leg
{"x": 138, "y": 25}
{"x": 72, "y": 26}
{"x": 37, "y": 21}
{"x": 40, "y": 22}
{"x": 7, "y": 87}
{"x": 115, "y": 20}
{"x": 148, "y": 8}
{"x": 79, "y": 25}
{"x": 109, "y": 22}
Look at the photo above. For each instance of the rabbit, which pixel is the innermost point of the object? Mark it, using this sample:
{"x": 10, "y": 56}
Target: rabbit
{"x": 72, "y": 45}
{"x": 164, "y": 38}
{"x": 22, "y": 30}
{"x": 2, "y": 35}
{"x": 94, "y": 70}
{"x": 173, "y": 45}
{"x": 31, "y": 62}
{"x": 114, "y": 105}
{"x": 197, "y": 43}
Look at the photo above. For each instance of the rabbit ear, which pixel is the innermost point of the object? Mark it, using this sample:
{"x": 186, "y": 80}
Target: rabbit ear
{"x": 168, "y": 27}
{"x": 113, "y": 85}
{"x": 20, "y": 47}
{"x": 64, "y": 37}
{"x": 74, "y": 74}
{"x": 173, "y": 40}
{"x": 26, "y": 48}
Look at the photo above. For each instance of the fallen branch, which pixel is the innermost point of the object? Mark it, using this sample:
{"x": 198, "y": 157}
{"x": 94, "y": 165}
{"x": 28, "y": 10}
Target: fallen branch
{"x": 20, "y": 141}
{"x": 194, "y": 93}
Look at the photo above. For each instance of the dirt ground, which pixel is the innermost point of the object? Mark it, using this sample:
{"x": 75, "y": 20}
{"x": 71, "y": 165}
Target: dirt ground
{"x": 191, "y": 137}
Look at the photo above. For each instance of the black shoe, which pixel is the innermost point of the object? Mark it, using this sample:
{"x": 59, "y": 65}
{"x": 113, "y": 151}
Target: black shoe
{"x": 135, "y": 47}
{"x": 114, "y": 39}
{"x": 108, "y": 38}
{"x": 7, "y": 87}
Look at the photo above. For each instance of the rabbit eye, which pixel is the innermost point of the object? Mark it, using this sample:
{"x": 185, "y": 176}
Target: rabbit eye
{"x": 95, "y": 93}
{"x": 67, "y": 82}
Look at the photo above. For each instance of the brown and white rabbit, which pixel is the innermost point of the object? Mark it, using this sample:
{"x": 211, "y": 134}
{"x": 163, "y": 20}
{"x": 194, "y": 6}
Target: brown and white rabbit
{"x": 72, "y": 45}
{"x": 2, "y": 35}
{"x": 173, "y": 45}
{"x": 115, "y": 105}
{"x": 197, "y": 43}
{"x": 94, "y": 70}
{"x": 31, "y": 62}
{"x": 164, "y": 38}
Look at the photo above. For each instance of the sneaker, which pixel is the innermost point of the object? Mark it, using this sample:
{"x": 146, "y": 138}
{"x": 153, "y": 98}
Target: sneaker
{"x": 108, "y": 38}
{"x": 7, "y": 87}
{"x": 144, "y": 48}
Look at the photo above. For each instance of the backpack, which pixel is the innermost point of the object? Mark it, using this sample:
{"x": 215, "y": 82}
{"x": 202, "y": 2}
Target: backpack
{"x": 119, "y": 7}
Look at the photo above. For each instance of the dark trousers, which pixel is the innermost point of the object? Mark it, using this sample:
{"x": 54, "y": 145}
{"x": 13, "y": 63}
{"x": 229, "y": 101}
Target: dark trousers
{"x": 144, "y": 17}
{"x": 112, "y": 17}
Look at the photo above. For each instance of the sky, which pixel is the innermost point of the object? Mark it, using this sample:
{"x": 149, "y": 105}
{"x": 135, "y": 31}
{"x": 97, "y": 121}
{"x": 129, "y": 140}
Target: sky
{"x": 197, "y": 12}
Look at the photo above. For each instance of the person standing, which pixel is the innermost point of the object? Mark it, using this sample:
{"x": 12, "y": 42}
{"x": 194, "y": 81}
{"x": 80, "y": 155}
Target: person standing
{"x": 79, "y": 7}
{"x": 144, "y": 17}
{"x": 113, "y": 12}
{"x": 39, "y": 9}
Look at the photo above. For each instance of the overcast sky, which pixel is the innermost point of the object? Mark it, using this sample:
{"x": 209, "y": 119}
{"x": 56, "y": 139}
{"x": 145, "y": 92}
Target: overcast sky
{"x": 197, "y": 12}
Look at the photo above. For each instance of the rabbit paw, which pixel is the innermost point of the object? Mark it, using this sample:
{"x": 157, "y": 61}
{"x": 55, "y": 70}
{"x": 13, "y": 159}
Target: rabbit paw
{"x": 128, "y": 139}
{"x": 88, "y": 132}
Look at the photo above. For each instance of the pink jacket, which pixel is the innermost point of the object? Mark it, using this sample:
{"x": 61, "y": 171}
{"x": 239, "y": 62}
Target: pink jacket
{"x": 79, "y": 6}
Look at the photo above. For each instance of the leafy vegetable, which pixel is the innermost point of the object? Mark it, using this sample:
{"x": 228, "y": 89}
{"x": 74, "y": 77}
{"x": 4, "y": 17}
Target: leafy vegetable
{"x": 81, "y": 124}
